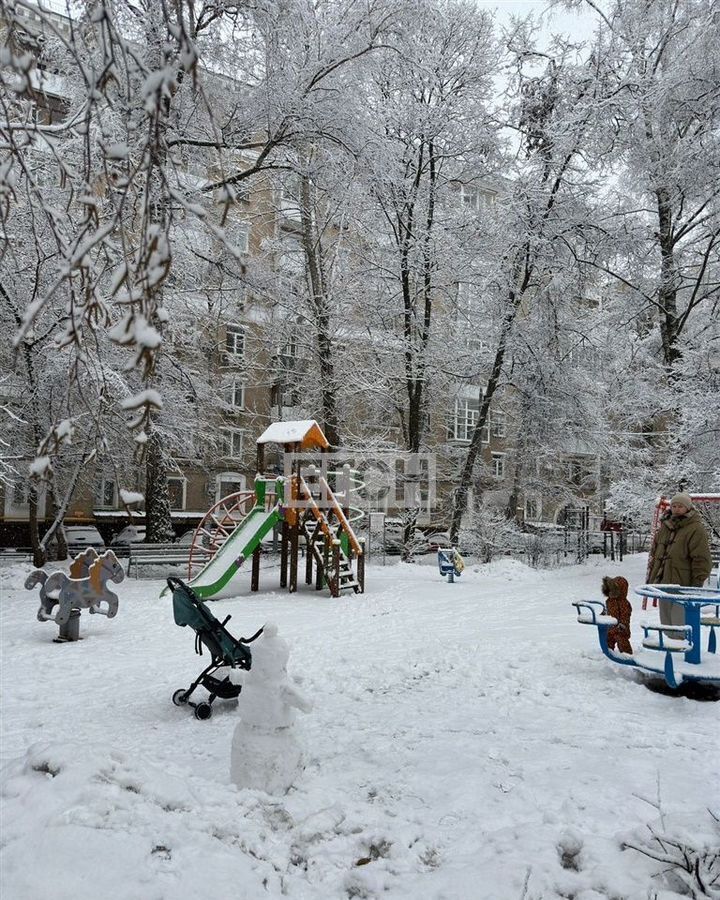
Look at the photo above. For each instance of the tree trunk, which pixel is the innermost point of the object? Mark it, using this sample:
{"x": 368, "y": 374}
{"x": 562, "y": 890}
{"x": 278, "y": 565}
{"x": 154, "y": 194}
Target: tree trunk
{"x": 417, "y": 308}
{"x": 158, "y": 519}
{"x": 320, "y": 303}
{"x": 54, "y": 538}
{"x": 522, "y": 458}
{"x": 511, "y": 510}
{"x": 667, "y": 293}
{"x": 515, "y": 296}
{"x": 39, "y": 552}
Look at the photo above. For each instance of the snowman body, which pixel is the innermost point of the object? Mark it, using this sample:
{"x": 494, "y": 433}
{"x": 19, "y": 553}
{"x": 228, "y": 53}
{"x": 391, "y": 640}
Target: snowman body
{"x": 266, "y": 754}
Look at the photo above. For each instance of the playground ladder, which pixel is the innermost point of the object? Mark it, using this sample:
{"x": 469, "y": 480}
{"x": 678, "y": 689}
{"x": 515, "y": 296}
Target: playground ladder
{"x": 321, "y": 546}
{"x": 324, "y": 541}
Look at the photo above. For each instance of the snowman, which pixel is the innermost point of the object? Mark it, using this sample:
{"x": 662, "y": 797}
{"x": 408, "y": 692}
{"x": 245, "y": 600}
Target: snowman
{"x": 266, "y": 754}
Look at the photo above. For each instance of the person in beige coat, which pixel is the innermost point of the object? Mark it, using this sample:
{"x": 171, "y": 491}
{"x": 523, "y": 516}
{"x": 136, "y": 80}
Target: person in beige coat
{"x": 680, "y": 555}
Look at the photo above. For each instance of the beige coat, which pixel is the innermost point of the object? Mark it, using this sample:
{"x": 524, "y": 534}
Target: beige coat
{"x": 681, "y": 551}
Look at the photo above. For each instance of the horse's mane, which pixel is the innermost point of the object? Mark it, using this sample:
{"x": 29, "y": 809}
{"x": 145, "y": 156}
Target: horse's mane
{"x": 95, "y": 573}
{"x": 80, "y": 562}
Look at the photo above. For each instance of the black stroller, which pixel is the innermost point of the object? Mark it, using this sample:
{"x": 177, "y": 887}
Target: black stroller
{"x": 225, "y": 650}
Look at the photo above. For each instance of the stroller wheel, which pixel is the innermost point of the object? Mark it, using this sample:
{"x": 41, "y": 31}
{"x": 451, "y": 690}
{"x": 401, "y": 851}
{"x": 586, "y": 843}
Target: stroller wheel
{"x": 203, "y": 711}
{"x": 178, "y": 698}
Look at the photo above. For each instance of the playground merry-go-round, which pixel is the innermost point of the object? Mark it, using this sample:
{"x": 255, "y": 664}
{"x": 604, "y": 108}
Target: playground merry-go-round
{"x": 677, "y": 653}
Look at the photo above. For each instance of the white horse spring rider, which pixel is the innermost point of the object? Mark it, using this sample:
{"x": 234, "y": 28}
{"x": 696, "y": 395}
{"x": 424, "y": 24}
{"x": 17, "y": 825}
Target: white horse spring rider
{"x": 88, "y": 592}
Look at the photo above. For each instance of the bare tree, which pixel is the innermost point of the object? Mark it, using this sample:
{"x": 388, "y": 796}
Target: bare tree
{"x": 430, "y": 133}
{"x": 655, "y": 240}
{"x": 556, "y": 115}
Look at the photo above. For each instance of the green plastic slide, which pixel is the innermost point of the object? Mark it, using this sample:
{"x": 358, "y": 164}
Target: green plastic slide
{"x": 217, "y": 579}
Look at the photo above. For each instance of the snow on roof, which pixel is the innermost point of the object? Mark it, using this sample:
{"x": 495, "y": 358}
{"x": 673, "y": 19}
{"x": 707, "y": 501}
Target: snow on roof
{"x": 307, "y": 432}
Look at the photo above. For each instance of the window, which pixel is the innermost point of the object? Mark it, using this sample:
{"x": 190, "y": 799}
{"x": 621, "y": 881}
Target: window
{"x": 236, "y": 394}
{"x": 533, "y": 508}
{"x": 284, "y": 396}
{"x": 498, "y": 424}
{"x": 177, "y": 488}
{"x": 239, "y": 237}
{"x": 183, "y": 442}
{"x": 574, "y": 472}
{"x": 20, "y": 493}
{"x": 17, "y": 498}
{"x": 584, "y": 356}
{"x": 291, "y": 257}
{"x": 231, "y": 443}
{"x": 498, "y": 465}
{"x": 469, "y": 197}
{"x": 235, "y": 341}
{"x": 475, "y": 198}
{"x": 477, "y": 346}
{"x": 463, "y": 420}
{"x": 290, "y": 350}
{"x": 581, "y": 473}
{"x": 288, "y": 355}
{"x": 289, "y": 198}
{"x": 228, "y": 483}
{"x": 107, "y": 493}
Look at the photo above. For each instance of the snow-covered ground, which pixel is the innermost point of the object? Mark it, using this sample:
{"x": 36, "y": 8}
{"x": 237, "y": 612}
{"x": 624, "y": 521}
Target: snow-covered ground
{"x": 468, "y": 742}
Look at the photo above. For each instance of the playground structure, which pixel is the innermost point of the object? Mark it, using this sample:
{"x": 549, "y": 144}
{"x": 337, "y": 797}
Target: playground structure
{"x": 301, "y": 505}
{"x": 691, "y": 664}
{"x": 450, "y": 563}
{"x": 84, "y": 588}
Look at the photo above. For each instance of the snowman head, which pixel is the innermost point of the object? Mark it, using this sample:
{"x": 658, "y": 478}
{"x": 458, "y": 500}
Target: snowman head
{"x": 270, "y": 653}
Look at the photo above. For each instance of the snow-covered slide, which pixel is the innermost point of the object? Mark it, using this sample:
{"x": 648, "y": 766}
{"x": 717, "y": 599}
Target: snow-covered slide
{"x": 218, "y": 578}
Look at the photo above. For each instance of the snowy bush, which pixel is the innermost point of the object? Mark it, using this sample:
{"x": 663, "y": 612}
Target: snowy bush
{"x": 689, "y": 853}
{"x": 490, "y": 533}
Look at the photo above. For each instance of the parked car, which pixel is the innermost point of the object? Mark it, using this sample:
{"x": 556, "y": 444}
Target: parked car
{"x": 423, "y": 543}
{"x": 80, "y": 536}
{"x": 393, "y": 535}
{"x": 437, "y": 539}
{"x": 131, "y": 534}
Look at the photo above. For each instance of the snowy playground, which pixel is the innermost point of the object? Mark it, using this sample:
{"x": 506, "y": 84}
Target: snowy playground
{"x": 468, "y": 741}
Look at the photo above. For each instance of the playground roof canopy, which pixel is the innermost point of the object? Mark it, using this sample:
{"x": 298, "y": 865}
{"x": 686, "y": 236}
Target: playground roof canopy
{"x": 307, "y": 433}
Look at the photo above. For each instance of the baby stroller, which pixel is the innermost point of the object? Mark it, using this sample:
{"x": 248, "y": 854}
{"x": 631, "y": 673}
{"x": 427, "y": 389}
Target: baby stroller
{"x": 224, "y": 649}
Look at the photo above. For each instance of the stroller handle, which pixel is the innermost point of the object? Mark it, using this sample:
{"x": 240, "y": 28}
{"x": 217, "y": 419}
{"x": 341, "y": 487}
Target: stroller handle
{"x": 174, "y": 582}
